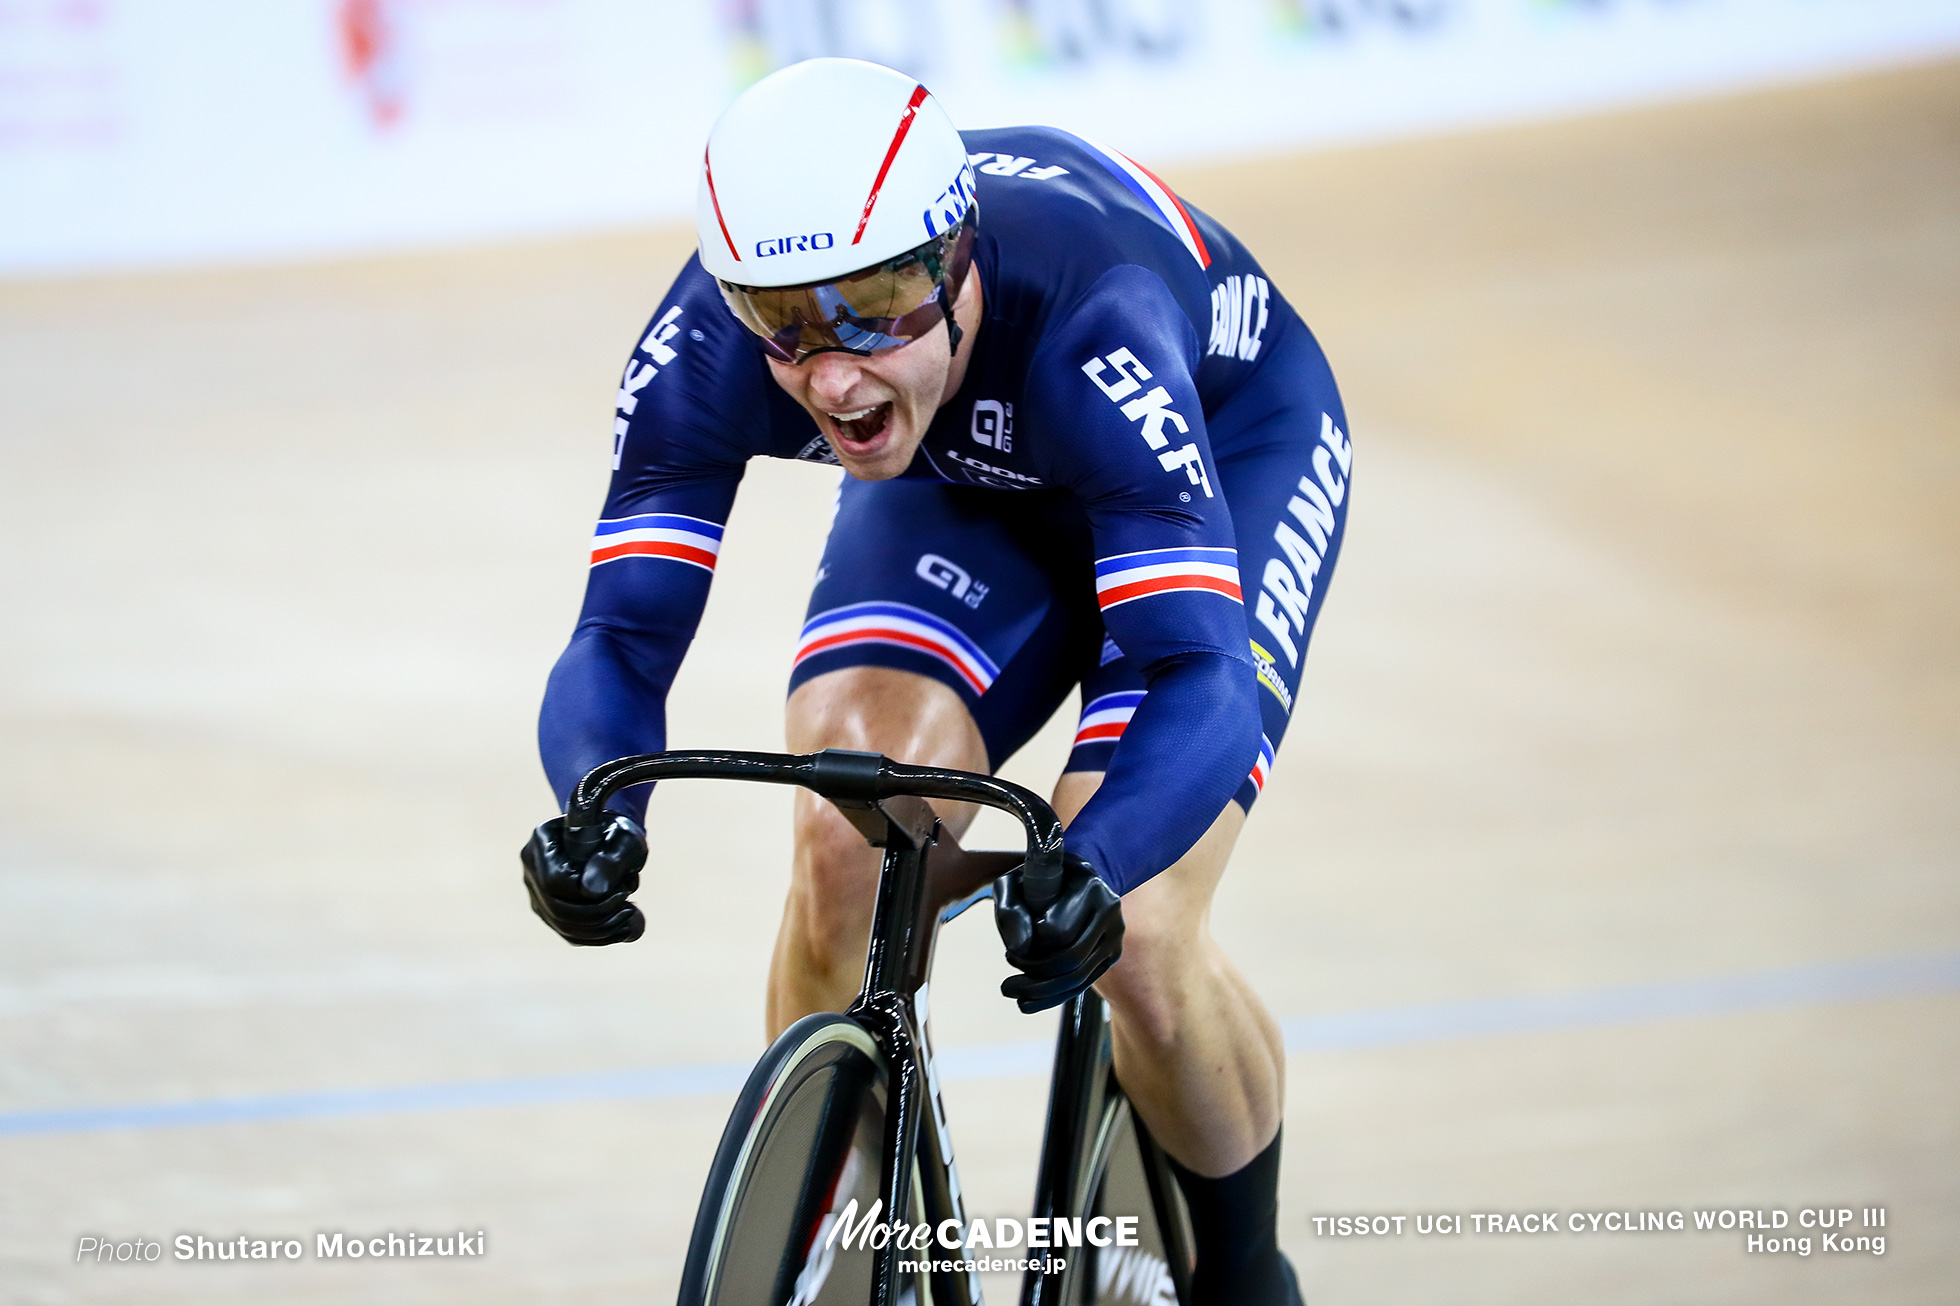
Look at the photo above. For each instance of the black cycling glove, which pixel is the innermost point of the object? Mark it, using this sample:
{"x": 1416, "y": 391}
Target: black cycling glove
{"x": 585, "y": 900}
{"x": 1065, "y": 948}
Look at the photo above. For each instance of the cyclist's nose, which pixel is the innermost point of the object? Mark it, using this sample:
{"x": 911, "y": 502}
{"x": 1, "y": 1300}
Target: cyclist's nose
{"x": 832, "y": 378}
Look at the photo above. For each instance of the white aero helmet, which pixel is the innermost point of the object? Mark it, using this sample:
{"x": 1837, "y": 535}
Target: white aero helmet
{"x": 836, "y": 210}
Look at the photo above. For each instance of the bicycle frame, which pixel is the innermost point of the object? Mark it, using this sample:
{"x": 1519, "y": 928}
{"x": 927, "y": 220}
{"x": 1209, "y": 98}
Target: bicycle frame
{"x": 924, "y": 873}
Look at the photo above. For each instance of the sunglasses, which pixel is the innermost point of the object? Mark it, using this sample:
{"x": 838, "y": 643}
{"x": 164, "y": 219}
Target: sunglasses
{"x": 884, "y": 307}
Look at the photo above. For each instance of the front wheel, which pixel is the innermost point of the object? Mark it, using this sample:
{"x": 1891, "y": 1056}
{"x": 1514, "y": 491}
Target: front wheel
{"x": 802, "y": 1144}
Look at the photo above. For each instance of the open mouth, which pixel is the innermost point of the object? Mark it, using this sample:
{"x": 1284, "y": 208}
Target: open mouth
{"x": 858, "y": 430}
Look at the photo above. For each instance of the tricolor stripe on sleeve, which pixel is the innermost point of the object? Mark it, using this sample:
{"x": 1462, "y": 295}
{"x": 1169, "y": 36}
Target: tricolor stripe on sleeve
{"x": 1165, "y": 571}
{"x": 1264, "y": 766}
{"x": 1155, "y": 195}
{"x": 657, "y": 535}
{"x": 904, "y": 626}
{"x": 1106, "y": 717}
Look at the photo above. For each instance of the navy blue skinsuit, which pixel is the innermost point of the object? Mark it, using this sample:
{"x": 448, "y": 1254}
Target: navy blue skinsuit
{"x": 1140, "y": 488}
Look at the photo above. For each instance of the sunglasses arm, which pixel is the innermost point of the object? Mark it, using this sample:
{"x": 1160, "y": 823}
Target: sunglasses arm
{"x": 953, "y": 332}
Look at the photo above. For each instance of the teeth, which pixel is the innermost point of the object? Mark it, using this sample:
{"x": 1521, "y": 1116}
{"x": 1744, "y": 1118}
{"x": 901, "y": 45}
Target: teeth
{"x": 852, "y": 417}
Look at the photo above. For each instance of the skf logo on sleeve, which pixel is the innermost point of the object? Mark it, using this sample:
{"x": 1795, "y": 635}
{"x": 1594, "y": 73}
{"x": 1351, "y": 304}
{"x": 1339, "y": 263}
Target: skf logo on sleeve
{"x": 634, "y": 379}
{"x": 1239, "y": 310}
{"x": 1285, "y": 590}
{"x": 1152, "y": 408}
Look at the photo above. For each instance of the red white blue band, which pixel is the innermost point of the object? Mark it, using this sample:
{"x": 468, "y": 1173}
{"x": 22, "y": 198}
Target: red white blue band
{"x": 1130, "y": 576}
{"x": 1106, "y": 717}
{"x": 657, "y": 535}
{"x": 1156, "y": 196}
{"x": 1264, "y": 766}
{"x": 903, "y": 626}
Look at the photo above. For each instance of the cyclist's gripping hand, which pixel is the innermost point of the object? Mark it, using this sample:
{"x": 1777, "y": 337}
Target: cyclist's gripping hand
{"x": 1065, "y": 948}
{"x": 585, "y": 901}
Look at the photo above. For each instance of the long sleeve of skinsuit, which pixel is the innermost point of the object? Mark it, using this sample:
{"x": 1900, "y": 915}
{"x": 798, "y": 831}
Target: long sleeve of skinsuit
{"x": 1121, "y": 367}
{"x": 690, "y": 383}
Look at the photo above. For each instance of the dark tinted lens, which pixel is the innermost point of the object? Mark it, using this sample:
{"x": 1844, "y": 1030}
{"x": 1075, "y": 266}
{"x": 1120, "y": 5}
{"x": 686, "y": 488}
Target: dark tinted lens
{"x": 880, "y": 308}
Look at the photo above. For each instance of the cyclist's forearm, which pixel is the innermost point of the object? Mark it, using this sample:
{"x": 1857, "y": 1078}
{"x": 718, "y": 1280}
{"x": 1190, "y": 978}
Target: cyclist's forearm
{"x": 603, "y": 701}
{"x": 1186, "y": 751}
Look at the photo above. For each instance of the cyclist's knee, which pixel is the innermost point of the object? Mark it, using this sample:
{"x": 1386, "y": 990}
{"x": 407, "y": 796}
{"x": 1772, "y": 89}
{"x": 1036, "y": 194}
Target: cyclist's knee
{"x": 908, "y": 717}
{"x": 836, "y": 880}
{"x": 1167, "y": 945}
{"x": 1073, "y": 791}
{"x": 1149, "y": 988}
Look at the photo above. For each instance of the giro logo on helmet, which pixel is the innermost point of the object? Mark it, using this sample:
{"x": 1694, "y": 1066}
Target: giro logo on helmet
{"x": 794, "y": 244}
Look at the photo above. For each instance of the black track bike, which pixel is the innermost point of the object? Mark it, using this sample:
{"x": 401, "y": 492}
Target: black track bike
{"x": 841, "y": 1130}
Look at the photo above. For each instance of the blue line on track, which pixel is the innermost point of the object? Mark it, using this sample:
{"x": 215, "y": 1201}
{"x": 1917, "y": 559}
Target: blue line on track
{"x": 1851, "y": 981}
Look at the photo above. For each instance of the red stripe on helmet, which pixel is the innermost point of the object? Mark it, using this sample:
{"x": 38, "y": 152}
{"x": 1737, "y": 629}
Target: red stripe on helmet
{"x": 709, "y": 169}
{"x": 898, "y": 139}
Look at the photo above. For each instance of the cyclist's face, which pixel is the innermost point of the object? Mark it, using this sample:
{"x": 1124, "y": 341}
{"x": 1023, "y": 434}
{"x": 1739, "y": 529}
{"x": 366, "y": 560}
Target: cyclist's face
{"x": 874, "y": 408}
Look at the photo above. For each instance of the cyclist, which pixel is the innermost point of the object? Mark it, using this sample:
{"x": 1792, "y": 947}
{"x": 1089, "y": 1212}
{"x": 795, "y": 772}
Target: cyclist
{"x": 1087, "y": 444}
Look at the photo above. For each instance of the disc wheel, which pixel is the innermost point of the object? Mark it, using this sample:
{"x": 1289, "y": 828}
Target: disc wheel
{"x": 803, "y": 1142}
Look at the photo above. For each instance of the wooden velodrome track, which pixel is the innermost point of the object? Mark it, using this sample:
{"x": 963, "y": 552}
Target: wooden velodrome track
{"x": 1610, "y": 867}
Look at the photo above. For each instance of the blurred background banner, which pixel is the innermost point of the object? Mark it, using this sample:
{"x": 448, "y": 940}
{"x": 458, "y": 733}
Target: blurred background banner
{"x": 138, "y": 132}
